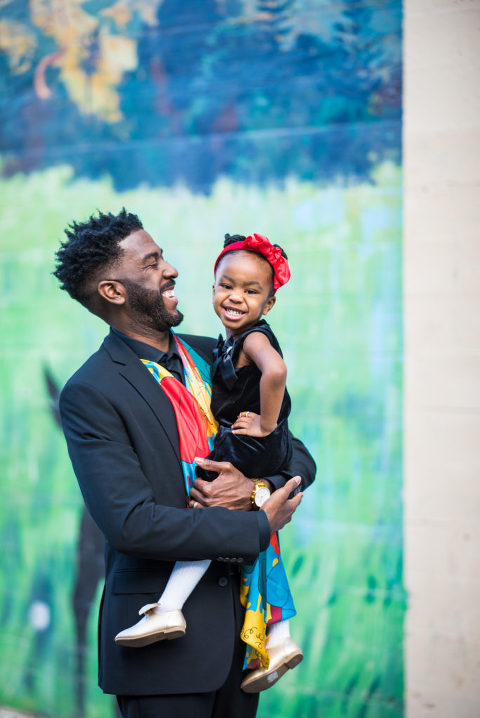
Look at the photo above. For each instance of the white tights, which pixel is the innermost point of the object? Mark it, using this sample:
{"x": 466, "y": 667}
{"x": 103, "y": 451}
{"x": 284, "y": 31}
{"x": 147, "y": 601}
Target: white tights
{"x": 184, "y": 578}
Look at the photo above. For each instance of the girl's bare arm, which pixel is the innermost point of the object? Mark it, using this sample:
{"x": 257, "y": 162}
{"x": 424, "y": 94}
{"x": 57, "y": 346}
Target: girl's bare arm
{"x": 258, "y": 350}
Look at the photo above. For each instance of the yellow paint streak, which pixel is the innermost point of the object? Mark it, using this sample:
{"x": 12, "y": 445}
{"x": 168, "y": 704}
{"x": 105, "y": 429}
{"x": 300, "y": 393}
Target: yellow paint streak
{"x": 18, "y": 43}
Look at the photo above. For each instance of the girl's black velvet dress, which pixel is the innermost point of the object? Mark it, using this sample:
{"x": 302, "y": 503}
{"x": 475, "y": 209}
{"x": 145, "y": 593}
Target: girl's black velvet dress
{"x": 238, "y": 390}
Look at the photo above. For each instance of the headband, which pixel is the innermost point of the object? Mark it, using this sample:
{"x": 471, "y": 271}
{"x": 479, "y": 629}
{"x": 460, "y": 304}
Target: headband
{"x": 262, "y": 245}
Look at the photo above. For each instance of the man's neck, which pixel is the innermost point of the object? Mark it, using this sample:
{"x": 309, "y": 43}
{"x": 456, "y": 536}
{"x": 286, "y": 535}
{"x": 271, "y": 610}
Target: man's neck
{"x": 159, "y": 340}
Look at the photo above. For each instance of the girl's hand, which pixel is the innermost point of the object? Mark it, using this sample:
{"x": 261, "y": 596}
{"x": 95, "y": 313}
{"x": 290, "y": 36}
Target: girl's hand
{"x": 249, "y": 423}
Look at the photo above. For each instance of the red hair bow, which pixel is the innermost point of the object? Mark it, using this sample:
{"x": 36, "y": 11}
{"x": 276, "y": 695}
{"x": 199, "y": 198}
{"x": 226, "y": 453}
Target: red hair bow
{"x": 262, "y": 245}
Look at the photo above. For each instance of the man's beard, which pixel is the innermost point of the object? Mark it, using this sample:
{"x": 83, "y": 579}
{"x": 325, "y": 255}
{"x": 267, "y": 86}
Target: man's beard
{"x": 148, "y": 307}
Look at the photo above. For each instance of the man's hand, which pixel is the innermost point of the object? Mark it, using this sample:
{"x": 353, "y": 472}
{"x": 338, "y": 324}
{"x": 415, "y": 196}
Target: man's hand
{"x": 279, "y": 508}
{"x": 231, "y": 489}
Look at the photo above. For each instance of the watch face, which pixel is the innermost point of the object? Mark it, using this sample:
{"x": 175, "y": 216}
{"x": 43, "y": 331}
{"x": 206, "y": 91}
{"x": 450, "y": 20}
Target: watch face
{"x": 261, "y": 495}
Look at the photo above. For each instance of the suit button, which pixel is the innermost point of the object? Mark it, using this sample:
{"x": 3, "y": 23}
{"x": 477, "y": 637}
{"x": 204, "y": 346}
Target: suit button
{"x": 223, "y": 581}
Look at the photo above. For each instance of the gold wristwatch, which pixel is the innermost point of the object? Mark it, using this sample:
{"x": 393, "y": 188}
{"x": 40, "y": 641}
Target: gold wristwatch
{"x": 260, "y": 493}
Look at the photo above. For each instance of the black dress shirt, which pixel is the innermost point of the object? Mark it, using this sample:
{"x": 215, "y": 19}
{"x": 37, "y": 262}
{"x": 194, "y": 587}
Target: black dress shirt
{"x": 169, "y": 360}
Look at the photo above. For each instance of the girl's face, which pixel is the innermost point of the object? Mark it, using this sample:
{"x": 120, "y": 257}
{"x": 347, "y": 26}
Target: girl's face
{"x": 242, "y": 291}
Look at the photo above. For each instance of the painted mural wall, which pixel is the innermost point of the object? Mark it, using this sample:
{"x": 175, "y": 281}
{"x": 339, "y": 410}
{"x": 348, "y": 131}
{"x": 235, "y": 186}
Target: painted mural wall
{"x": 205, "y": 117}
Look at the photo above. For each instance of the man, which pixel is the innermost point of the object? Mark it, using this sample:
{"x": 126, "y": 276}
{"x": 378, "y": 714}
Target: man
{"x": 123, "y": 441}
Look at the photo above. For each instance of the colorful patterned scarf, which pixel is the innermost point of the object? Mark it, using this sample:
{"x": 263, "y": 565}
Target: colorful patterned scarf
{"x": 191, "y": 404}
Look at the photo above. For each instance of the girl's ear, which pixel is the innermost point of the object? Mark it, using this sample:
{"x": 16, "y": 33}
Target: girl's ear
{"x": 270, "y": 302}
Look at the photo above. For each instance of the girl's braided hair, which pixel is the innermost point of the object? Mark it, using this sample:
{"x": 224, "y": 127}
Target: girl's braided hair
{"x": 231, "y": 238}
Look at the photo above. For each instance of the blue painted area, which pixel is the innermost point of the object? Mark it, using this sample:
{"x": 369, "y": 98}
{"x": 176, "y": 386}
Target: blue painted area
{"x": 255, "y": 91}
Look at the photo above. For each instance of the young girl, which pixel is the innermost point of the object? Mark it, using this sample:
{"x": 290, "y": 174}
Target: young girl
{"x": 251, "y": 405}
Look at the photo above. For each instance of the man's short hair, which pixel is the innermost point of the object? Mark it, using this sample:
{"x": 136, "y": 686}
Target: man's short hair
{"x": 91, "y": 246}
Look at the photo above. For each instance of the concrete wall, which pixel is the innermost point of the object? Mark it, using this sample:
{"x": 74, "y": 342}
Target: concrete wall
{"x": 442, "y": 357}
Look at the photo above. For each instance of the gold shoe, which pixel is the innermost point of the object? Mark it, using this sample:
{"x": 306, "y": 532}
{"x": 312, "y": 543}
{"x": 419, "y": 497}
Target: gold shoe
{"x": 282, "y": 657}
{"x": 154, "y": 626}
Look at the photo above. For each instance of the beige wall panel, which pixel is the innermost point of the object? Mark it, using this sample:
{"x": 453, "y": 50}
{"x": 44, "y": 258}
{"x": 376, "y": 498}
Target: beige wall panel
{"x": 442, "y": 357}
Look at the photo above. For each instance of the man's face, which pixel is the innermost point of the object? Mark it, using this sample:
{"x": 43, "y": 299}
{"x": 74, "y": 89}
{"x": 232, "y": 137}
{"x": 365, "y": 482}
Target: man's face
{"x": 149, "y": 282}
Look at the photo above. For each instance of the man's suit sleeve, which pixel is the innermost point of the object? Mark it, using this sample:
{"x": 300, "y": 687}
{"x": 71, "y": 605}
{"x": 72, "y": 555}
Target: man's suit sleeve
{"x": 301, "y": 464}
{"x": 120, "y": 499}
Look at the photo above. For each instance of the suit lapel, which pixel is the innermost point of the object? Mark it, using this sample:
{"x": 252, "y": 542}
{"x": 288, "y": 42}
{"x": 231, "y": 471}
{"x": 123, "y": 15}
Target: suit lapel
{"x": 132, "y": 370}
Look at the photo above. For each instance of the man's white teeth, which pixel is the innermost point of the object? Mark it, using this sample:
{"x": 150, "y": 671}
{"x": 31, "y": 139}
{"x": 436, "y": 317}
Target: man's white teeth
{"x": 169, "y": 294}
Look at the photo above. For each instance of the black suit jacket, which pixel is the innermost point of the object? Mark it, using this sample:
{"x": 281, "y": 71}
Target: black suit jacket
{"x": 123, "y": 442}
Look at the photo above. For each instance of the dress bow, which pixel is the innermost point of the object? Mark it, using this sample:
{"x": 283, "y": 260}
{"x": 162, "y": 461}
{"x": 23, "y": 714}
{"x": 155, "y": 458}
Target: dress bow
{"x": 222, "y": 361}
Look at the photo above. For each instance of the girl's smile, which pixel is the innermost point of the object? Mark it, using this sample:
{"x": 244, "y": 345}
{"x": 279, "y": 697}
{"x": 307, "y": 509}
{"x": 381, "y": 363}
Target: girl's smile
{"x": 233, "y": 314}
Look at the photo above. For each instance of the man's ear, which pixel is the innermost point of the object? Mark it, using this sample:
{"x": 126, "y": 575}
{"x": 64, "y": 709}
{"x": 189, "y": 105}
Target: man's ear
{"x": 112, "y": 291}
{"x": 270, "y": 302}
